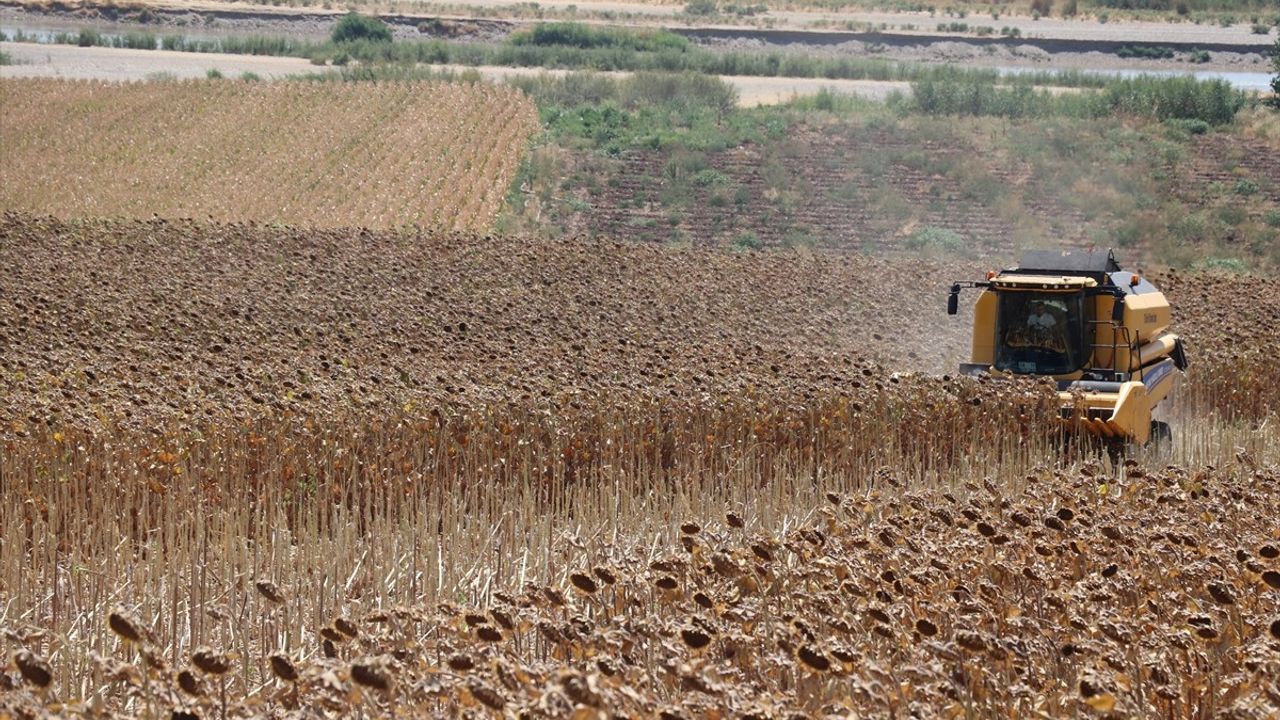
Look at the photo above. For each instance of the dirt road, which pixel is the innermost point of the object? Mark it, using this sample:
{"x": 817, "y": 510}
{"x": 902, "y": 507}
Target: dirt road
{"x": 69, "y": 61}
{"x": 98, "y": 63}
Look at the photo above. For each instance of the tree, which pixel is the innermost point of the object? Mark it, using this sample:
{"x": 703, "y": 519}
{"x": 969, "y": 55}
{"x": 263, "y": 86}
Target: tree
{"x": 701, "y": 7}
{"x": 1275, "y": 81}
{"x": 360, "y": 27}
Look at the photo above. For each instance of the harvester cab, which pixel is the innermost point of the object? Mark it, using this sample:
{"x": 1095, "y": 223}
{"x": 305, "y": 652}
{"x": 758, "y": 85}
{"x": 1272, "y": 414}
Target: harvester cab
{"x": 1099, "y": 331}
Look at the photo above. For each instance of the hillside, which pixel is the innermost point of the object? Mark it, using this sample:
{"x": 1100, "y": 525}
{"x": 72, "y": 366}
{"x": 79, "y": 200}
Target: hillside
{"x": 961, "y": 186}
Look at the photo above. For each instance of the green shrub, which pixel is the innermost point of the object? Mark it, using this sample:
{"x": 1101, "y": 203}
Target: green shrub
{"x": 701, "y": 8}
{"x": 5, "y": 58}
{"x": 354, "y": 26}
{"x": 710, "y": 177}
{"x": 578, "y": 35}
{"x": 799, "y": 238}
{"x": 88, "y": 38}
{"x": 935, "y": 238}
{"x": 1271, "y": 218}
{"x": 214, "y": 74}
{"x": 1189, "y": 229}
{"x": 1228, "y": 264}
{"x": 1189, "y": 126}
{"x": 1199, "y": 57}
{"x": 684, "y": 165}
{"x": 1127, "y": 234}
{"x": 250, "y": 76}
{"x": 1245, "y": 187}
{"x": 1212, "y": 101}
{"x": 1275, "y": 67}
{"x": 1146, "y": 52}
{"x": 1232, "y": 215}
{"x": 747, "y": 241}
{"x": 685, "y": 92}
{"x": 135, "y": 41}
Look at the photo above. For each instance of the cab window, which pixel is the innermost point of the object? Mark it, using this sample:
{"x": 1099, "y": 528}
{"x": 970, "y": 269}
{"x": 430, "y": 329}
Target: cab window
{"x": 1040, "y": 333}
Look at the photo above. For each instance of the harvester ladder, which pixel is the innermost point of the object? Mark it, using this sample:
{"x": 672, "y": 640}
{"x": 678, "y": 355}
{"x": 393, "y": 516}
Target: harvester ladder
{"x": 1114, "y": 345}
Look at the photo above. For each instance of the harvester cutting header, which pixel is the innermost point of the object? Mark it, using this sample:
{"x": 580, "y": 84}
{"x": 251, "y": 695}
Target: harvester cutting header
{"x": 1101, "y": 332}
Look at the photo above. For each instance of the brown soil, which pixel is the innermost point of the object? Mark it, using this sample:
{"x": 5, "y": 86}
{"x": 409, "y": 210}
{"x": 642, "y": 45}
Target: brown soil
{"x": 1222, "y": 161}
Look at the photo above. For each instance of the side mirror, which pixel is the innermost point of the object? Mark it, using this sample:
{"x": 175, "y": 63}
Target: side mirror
{"x": 953, "y": 300}
{"x": 1117, "y": 310}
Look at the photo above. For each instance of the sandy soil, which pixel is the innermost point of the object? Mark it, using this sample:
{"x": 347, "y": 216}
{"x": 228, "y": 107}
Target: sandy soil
{"x": 69, "y": 61}
{"x": 1055, "y": 28}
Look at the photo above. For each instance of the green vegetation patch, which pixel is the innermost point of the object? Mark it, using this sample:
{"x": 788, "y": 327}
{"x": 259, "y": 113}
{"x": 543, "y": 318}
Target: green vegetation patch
{"x": 936, "y": 239}
{"x": 645, "y": 111}
{"x": 355, "y": 27}
{"x": 1213, "y": 102}
{"x": 578, "y": 35}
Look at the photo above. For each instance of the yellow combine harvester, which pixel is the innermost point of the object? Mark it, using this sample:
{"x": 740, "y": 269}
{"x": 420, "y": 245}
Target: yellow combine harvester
{"x": 1100, "y": 331}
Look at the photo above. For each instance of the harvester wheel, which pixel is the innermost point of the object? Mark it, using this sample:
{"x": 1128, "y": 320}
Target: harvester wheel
{"x": 1161, "y": 435}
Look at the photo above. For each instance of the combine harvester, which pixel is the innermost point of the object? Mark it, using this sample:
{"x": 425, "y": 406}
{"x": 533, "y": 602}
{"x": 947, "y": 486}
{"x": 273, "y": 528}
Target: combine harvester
{"x": 1099, "y": 331}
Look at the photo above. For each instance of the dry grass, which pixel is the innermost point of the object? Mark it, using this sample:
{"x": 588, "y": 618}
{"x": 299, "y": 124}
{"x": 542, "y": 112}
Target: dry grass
{"x": 384, "y": 155}
{"x": 538, "y": 525}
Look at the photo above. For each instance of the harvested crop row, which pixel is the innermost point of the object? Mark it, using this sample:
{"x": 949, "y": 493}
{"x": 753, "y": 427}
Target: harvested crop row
{"x": 132, "y": 322}
{"x": 205, "y": 418}
{"x": 1233, "y": 323}
{"x": 1157, "y": 594}
{"x": 384, "y": 155}
{"x": 137, "y": 322}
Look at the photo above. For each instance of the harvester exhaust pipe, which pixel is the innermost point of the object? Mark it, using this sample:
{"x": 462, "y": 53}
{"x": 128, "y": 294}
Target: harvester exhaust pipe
{"x": 953, "y": 300}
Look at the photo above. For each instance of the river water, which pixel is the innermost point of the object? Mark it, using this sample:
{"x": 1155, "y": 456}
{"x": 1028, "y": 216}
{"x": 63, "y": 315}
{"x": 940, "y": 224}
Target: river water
{"x": 1247, "y": 81}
